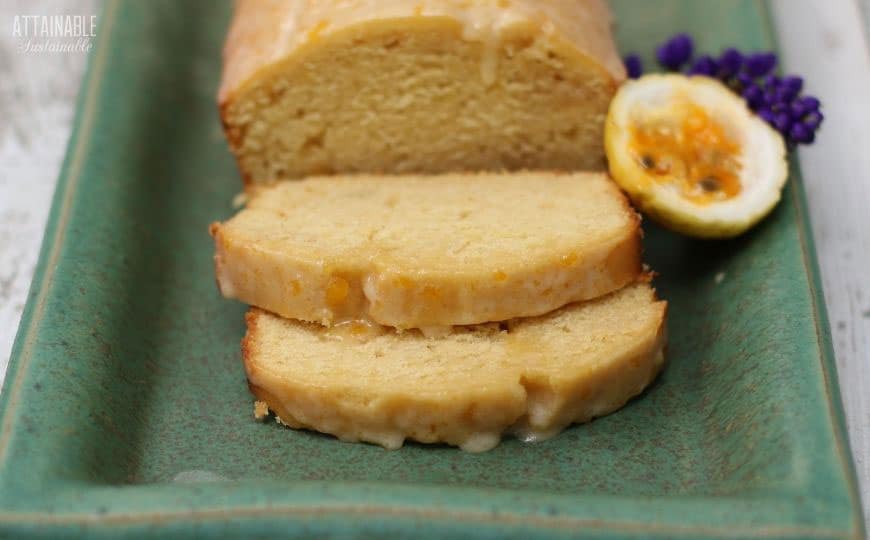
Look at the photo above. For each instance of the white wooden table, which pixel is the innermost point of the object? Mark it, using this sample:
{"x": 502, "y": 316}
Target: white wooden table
{"x": 824, "y": 41}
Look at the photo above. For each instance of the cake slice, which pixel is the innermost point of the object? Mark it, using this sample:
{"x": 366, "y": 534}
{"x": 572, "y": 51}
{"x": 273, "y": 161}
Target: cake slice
{"x": 328, "y": 86}
{"x": 532, "y": 377}
{"x": 428, "y": 252}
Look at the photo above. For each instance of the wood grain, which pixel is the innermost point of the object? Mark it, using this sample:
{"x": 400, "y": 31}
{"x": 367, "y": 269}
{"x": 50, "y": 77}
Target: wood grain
{"x": 37, "y": 111}
{"x": 825, "y": 41}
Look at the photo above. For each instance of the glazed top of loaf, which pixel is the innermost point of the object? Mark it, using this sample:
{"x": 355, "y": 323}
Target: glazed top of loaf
{"x": 265, "y": 31}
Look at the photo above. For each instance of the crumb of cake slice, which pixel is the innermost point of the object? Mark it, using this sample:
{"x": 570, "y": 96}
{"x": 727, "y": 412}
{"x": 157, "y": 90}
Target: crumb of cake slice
{"x": 261, "y": 410}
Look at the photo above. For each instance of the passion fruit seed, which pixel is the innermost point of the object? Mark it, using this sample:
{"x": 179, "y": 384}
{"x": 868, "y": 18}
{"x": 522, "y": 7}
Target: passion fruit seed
{"x": 710, "y": 184}
{"x": 647, "y": 162}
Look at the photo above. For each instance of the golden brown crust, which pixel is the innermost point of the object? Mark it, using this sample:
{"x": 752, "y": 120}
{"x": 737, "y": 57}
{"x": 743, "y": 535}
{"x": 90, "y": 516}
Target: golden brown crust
{"x": 215, "y": 230}
{"x": 234, "y": 140}
{"x": 626, "y": 259}
{"x": 262, "y": 31}
{"x": 250, "y": 338}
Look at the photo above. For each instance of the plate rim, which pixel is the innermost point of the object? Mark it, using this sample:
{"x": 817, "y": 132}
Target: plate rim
{"x": 43, "y": 282}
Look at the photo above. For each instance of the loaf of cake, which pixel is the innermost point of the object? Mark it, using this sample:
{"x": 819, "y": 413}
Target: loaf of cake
{"x": 416, "y": 86}
{"x": 428, "y": 251}
{"x": 530, "y": 377}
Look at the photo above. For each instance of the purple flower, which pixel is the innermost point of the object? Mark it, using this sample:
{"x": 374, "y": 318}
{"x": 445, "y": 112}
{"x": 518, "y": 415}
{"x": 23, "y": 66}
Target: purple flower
{"x": 766, "y": 114}
{"x": 771, "y": 82}
{"x": 800, "y": 133}
{"x": 780, "y": 107}
{"x": 754, "y": 96}
{"x": 793, "y": 83}
{"x": 797, "y": 110}
{"x": 784, "y": 94}
{"x": 745, "y": 80}
{"x": 675, "y": 52}
{"x": 633, "y": 66}
{"x": 813, "y": 119}
{"x": 782, "y": 122}
{"x": 759, "y": 64}
{"x": 810, "y": 103}
{"x": 704, "y": 65}
{"x": 730, "y": 62}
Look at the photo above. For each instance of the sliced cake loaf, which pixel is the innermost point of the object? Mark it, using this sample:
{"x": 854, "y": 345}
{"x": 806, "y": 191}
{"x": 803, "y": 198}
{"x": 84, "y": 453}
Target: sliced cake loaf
{"x": 532, "y": 377}
{"x": 396, "y": 86}
{"x": 421, "y": 252}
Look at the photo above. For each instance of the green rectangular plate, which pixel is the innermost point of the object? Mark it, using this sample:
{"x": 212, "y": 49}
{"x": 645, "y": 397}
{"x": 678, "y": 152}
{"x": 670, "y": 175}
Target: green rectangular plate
{"x": 125, "y": 411}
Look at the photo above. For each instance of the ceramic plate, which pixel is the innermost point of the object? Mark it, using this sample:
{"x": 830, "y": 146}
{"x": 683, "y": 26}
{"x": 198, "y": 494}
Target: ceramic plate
{"x": 125, "y": 411}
